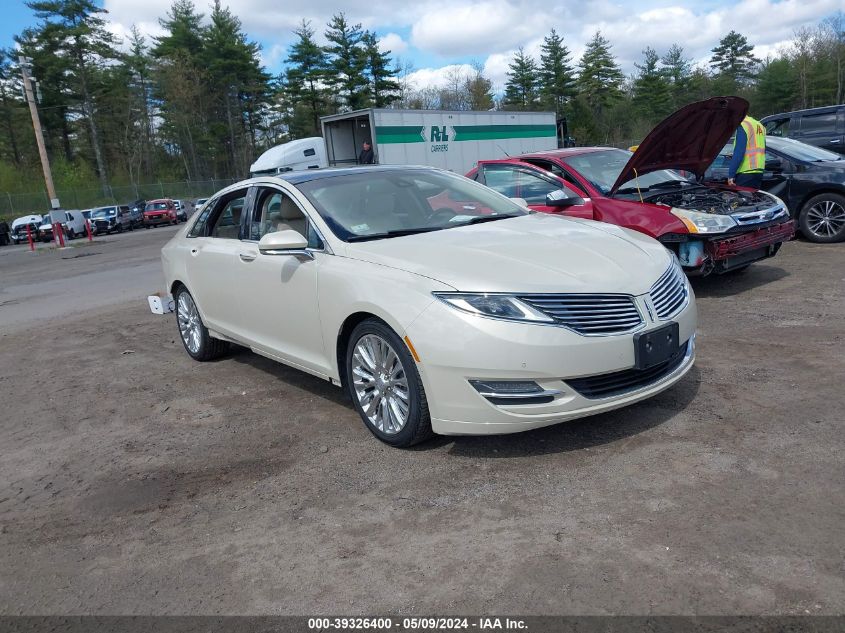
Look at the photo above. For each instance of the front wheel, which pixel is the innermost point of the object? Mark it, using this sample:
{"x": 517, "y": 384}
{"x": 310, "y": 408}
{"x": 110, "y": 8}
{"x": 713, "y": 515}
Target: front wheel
{"x": 195, "y": 337}
{"x": 385, "y": 386}
{"x": 822, "y": 219}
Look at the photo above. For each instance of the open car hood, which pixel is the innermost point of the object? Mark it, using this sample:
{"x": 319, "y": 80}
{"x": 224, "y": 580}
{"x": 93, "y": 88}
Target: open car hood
{"x": 689, "y": 139}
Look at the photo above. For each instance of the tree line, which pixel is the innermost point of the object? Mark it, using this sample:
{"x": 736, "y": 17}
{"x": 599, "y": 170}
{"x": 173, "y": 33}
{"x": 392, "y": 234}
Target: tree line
{"x": 197, "y": 103}
{"x": 603, "y": 105}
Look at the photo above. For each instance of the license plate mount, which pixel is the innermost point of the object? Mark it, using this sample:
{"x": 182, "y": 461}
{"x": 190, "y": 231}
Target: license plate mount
{"x": 656, "y": 346}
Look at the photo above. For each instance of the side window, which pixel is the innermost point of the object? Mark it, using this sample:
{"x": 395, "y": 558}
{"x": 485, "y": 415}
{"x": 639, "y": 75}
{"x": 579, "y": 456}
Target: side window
{"x": 515, "y": 182}
{"x": 778, "y": 127}
{"x": 818, "y": 123}
{"x": 227, "y": 224}
{"x": 199, "y": 227}
{"x": 501, "y": 178}
{"x": 276, "y": 211}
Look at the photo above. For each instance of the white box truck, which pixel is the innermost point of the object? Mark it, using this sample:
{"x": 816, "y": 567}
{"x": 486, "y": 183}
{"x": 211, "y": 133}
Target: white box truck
{"x": 453, "y": 140}
{"x": 450, "y": 140}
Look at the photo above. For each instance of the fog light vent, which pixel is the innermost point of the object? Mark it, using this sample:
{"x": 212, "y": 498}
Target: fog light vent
{"x": 513, "y": 392}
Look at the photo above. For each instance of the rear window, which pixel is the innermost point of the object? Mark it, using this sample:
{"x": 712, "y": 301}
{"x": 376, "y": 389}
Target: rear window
{"x": 157, "y": 206}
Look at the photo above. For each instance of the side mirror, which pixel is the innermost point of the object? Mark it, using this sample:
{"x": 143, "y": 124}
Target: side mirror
{"x": 287, "y": 242}
{"x": 560, "y": 199}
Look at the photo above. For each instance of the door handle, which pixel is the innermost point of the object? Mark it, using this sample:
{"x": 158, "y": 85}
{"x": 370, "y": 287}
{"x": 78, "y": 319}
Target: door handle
{"x": 835, "y": 140}
{"x": 247, "y": 257}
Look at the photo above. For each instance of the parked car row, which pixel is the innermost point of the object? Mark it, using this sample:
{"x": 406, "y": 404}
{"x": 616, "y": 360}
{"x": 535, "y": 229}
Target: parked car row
{"x": 103, "y": 220}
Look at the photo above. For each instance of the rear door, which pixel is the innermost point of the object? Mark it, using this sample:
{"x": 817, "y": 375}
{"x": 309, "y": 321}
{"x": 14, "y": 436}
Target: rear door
{"x": 823, "y": 129}
{"x": 522, "y": 180}
{"x": 212, "y": 262}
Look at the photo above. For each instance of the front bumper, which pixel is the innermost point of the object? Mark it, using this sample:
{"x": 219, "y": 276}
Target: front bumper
{"x": 455, "y": 348}
{"x": 735, "y": 245}
{"x": 157, "y": 219}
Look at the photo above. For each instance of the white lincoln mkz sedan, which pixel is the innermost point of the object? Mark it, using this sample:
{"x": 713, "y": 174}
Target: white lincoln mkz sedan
{"x": 440, "y": 305}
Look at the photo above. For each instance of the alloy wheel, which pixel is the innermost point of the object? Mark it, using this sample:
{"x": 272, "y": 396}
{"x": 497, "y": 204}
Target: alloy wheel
{"x": 380, "y": 384}
{"x": 826, "y": 218}
{"x": 189, "y": 322}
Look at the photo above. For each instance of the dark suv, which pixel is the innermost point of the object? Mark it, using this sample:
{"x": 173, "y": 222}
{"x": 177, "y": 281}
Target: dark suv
{"x": 822, "y": 127}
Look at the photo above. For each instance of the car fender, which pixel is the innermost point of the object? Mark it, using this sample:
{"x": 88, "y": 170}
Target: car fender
{"x": 395, "y": 296}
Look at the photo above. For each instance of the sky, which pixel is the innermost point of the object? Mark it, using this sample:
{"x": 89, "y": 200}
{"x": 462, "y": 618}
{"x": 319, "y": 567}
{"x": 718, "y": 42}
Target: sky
{"x": 436, "y": 35}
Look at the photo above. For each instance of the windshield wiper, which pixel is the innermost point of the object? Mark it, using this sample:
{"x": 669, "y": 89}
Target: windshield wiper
{"x": 489, "y": 218}
{"x": 394, "y": 233}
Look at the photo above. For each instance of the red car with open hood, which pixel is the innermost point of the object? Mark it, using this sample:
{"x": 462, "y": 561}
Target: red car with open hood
{"x": 713, "y": 228}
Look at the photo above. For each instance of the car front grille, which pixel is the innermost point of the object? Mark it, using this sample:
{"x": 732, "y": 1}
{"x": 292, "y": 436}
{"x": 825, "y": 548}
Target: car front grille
{"x": 669, "y": 294}
{"x": 627, "y": 380}
{"x": 590, "y": 314}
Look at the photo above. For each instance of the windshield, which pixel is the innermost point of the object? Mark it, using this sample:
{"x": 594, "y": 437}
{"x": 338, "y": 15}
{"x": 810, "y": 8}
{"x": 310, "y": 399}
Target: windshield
{"x": 156, "y": 206}
{"x": 380, "y": 204}
{"x": 603, "y": 168}
{"x": 103, "y": 212}
{"x": 801, "y": 151}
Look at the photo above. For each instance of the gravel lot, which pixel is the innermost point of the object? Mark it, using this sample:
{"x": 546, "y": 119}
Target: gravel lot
{"x": 135, "y": 481}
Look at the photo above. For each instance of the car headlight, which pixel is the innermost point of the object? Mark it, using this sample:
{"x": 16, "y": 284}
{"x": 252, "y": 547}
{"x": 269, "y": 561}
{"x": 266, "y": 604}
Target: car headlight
{"x": 496, "y": 306}
{"x": 698, "y": 222}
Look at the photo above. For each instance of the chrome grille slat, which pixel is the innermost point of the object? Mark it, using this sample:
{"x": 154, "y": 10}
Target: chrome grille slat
{"x": 669, "y": 294}
{"x": 596, "y": 315}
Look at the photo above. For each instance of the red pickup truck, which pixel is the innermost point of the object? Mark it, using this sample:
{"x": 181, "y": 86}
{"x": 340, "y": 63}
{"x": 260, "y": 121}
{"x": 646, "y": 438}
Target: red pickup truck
{"x": 161, "y": 211}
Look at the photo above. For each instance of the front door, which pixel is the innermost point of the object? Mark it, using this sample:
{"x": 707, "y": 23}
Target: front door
{"x": 277, "y": 294}
{"x": 532, "y": 184}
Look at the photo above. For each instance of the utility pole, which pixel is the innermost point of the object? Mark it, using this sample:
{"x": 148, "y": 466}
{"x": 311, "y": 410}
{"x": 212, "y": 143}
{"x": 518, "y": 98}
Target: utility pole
{"x": 39, "y": 136}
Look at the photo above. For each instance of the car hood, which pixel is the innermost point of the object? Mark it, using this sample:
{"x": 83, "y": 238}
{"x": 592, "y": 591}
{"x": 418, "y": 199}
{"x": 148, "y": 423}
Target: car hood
{"x": 536, "y": 253}
{"x": 689, "y": 139}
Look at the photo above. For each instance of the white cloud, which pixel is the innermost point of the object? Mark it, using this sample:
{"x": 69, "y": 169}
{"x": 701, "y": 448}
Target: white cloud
{"x": 393, "y": 43}
{"x": 491, "y": 30}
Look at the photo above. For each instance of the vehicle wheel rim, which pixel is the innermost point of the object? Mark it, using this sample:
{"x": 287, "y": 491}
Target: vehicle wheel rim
{"x": 826, "y": 218}
{"x": 189, "y": 322}
{"x": 381, "y": 384}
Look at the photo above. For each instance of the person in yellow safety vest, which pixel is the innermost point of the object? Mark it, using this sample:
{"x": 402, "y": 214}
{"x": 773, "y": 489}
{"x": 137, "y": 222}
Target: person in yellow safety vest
{"x": 749, "y": 157}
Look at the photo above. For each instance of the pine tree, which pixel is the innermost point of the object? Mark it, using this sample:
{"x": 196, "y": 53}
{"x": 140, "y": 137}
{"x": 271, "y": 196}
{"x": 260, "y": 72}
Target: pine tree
{"x": 237, "y": 86}
{"x": 347, "y": 62}
{"x": 676, "y": 68}
{"x": 521, "y": 87}
{"x": 734, "y": 59}
{"x": 306, "y": 72}
{"x": 87, "y": 46}
{"x": 557, "y": 80}
{"x": 599, "y": 76}
{"x": 479, "y": 89}
{"x": 183, "y": 32}
{"x": 384, "y": 89}
{"x": 651, "y": 97}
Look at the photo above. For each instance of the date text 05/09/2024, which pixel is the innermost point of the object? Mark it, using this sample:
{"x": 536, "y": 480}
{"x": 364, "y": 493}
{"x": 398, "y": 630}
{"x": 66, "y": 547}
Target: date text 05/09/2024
{"x": 416, "y": 624}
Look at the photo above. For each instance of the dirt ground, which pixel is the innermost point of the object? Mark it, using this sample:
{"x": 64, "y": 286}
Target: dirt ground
{"x": 136, "y": 481}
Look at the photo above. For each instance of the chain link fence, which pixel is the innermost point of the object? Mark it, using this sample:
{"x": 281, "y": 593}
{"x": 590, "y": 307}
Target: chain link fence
{"x": 13, "y": 205}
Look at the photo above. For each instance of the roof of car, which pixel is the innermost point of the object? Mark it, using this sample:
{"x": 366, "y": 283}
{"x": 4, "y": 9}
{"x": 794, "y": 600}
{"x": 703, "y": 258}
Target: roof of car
{"x": 819, "y": 110}
{"x": 564, "y": 153}
{"x": 297, "y": 177}
{"x": 159, "y": 200}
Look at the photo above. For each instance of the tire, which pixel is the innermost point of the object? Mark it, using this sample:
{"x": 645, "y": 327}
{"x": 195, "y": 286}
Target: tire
{"x": 195, "y": 338}
{"x": 822, "y": 218}
{"x": 385, "y": 423}
{"x": 71, "y": 235}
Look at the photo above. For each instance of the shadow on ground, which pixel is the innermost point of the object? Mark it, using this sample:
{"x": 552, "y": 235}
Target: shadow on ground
{"x": 567, "y": 436}
{"x": 731, "y": 284}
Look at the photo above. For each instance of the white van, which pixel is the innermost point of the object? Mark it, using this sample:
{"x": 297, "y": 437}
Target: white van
{"x": 74, "y": 225}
